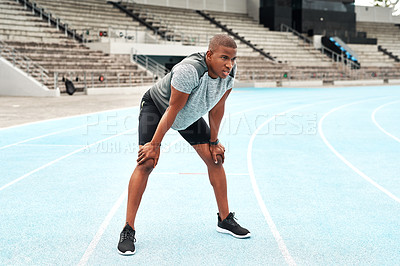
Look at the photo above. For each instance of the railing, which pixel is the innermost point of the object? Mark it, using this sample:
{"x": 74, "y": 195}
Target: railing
{"x": 170, "y": 32}
{"x": 234, "y": 34}
{"x": 326, "y": 77}
{"x": 390, "y": 54}
{"x": 286, "y": 28}
{"x": 102, "y": 79}
{"x": 118, "y": 34}
{"x": 24, "y": 63}
{"x": 60, "y": 25}
{"x": 159, "y": 26}
{"x": 346, "y": 65}
{"x": 151, "y": 65}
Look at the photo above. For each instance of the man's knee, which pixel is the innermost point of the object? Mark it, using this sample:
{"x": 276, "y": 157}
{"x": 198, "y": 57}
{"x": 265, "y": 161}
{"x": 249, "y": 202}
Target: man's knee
{"x": 212, "y": 164}
{"x": 147, "y": 166}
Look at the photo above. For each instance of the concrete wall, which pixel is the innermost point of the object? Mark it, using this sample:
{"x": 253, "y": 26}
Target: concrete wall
{"x": 376, "y": 14}
{"x": 15, "y": 82}
{"x": 146, "y": 49}
{"x": 237, "y": 6}
{"x": 253, "y": 9}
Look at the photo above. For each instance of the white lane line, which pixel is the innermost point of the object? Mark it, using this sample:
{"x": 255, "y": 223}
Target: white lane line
{"x": 355, "y": 169}
{"x": 92, "y": 246}
{"x": 50, "y": 145}
{"x": 67, "y": 117}
{"x": 379, "y": 126}
{"x": 267, "y": 215}
{"x": 102, "y": 228}
{"x": 38, "y": 137}
{"x": 104, "y": 225}
{"x": 61, "y": 158}
{"x": 61, "y": 131}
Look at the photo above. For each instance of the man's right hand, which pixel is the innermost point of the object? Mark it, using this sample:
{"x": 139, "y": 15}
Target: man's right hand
{"x": 149, "y": 151}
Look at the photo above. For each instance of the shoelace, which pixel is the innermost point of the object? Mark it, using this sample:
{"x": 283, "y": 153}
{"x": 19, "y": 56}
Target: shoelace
{"x": 233, "y": 218}
{"x": 126, "y": 234}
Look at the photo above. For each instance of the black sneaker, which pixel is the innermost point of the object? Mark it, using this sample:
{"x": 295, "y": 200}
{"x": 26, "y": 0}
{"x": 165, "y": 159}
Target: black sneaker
{"x": 230, "y": 226}
{"x": 126, "y": 245}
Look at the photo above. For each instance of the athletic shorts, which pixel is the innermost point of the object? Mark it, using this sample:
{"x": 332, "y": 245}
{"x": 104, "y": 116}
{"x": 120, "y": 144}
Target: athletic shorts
{"x": 150, "y": 116}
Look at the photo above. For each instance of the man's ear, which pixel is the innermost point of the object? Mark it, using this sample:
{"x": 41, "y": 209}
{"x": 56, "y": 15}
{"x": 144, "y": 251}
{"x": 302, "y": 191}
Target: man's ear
{"x": 208, "y": 54}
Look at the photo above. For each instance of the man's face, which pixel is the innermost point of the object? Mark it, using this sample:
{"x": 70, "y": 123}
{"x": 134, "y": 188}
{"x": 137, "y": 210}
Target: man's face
{"x": 221, "y": 61}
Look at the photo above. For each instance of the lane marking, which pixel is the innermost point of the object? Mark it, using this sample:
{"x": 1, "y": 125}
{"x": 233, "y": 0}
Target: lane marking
{"x": 92, "y": 246}
{"x": 67, "y": 117}
{"x": 60, "y": 131}
{"x": 38, "y": 137}
{"x": 51, "y": 145}
{"x": 263, "y": 207}
{"x": 61, "y": 158}
{"x": 281, "y": 244}
{"x": 378, "y": 125}
{"x": 355, "y": 169}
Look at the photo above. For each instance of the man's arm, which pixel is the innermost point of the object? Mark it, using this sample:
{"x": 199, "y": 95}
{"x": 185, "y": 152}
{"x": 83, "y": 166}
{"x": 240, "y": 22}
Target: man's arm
{"x": 151, "y": 150}
{"x": 215, "y": 117}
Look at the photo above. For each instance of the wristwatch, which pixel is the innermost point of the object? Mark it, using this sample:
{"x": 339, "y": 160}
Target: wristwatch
{"x": 214, "y": 142}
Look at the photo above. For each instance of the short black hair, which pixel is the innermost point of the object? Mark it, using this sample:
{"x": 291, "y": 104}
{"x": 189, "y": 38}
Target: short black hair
{"x": 221, "y": 40}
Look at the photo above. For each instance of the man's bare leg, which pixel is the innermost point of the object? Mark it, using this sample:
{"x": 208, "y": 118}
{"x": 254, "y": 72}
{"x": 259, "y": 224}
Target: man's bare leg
{"x": 216, "y": 174}
{"x": 137, "y": 185}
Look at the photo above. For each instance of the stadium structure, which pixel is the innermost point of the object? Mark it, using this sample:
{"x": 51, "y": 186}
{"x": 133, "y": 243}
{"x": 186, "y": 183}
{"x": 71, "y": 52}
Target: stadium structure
{"x": 98, "y": 46}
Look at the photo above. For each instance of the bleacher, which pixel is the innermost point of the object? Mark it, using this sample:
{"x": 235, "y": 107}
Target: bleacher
{"x": 375, "y": 62}
{"x": 66, "y": 58}
{"x": 291, "y": 55}
{"x": 63, "y": 57}
{"x": 189, "y": 28}
{"x": 388, "y": 34}
{"x": 90, "y": 17}
{"x": 303, "y": 60}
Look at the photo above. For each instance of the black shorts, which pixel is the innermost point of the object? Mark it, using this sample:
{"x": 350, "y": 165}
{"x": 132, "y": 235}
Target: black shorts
{"x": 150, "y": 116}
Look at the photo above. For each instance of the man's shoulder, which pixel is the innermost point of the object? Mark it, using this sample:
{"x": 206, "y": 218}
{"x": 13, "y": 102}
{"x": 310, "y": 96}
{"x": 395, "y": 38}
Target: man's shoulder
{"x": 197, "y": 60}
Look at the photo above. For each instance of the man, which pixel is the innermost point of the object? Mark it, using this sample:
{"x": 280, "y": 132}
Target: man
{"x": 199, "y": 84}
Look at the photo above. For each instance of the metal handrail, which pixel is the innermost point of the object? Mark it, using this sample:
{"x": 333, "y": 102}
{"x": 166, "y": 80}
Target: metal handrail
{"x": 23, "y": 62}
{"x": 151, "y": 65}
{"x": 91, "y": 79}
{"x": 334, "y": 55}
{"x": 185, "y": 38}
{"x": 286, "y": 28}
{"x": 59, "y": 24}
{"x": 298, "y": 75}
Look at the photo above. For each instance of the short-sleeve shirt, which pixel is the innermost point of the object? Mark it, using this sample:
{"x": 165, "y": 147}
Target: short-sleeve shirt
{"x": 191, "y": 76}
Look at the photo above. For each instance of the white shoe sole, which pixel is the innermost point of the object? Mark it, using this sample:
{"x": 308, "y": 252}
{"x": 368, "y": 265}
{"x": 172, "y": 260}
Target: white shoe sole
{"x": 127, "y": 253}
{"x": 224, "y": 231}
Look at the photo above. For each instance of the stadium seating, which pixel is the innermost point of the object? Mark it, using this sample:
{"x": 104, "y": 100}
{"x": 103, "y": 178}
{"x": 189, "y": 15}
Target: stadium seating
{"x": 388, "y": 34}
{"x": 90, "y": 17}
{"x": 62, "y": 56}
{"x": 66, "y": 58}
{"x": 298, "y": 61}
{"x": 369, "y": 56}
{"x": 190, "y": 28}
{"x": 374, "y": 62}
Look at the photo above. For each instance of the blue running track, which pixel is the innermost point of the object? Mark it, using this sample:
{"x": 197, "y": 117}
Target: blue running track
{"x": 312, "y": 173}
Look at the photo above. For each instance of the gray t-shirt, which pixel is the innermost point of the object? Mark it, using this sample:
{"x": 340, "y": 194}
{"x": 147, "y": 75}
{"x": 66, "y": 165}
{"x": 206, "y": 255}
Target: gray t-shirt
{"x": 191, "y": 76}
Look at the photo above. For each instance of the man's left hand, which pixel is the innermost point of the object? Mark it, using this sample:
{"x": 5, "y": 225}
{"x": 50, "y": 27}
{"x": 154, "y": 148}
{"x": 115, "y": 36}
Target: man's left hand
{"x": 216, "y": 150}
